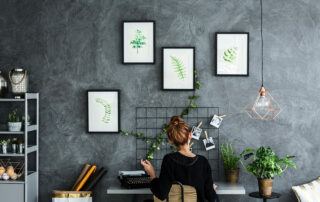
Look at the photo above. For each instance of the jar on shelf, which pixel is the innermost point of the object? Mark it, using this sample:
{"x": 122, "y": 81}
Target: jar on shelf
{"x": 19, "y": 82}
{"x": 3, "y": 86}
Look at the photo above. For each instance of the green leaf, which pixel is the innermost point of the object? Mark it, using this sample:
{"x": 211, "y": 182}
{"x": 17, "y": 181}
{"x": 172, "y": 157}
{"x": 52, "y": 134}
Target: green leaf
{"x": 193, "y": 105}
{"x": 194, "y": 97}
{"x": 179, "y": 67}
{"x": 198, "y": 84}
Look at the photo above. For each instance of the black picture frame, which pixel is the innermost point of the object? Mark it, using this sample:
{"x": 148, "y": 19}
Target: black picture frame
{"x": 154, "y": 42}
{"x": 216, "y": 54}
{"x": 194, "y": 63}
{"x": 119, "y": 112}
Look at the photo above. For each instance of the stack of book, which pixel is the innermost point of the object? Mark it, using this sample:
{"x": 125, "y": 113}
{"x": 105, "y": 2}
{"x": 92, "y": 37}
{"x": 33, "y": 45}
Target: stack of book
{"x": 88, "y": 178}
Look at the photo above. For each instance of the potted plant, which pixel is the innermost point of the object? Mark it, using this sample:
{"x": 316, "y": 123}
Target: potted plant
{"x": 230, "y": 163}
{"x": 14, "y": 123}
{"x": 20, "y": 143}
{"x": 14, "y": 144}
{"x": 4, "y": 145}
{"x": 265, "y": 165}
{"x": 28, "y": 120}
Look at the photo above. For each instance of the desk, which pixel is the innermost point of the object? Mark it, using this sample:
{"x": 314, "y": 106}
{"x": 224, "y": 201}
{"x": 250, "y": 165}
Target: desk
{"x": 223, "y": 189}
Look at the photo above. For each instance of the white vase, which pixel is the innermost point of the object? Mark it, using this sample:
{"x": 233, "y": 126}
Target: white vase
{"x": 4, "y": 148}
{"x": 14, "y": 126}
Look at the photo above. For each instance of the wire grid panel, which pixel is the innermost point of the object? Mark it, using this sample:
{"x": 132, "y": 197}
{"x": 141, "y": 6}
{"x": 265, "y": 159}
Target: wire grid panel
{"x": 151, "y": 120}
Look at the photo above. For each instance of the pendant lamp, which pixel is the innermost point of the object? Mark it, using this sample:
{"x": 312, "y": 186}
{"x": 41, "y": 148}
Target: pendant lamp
{"x": 262, "y": 106}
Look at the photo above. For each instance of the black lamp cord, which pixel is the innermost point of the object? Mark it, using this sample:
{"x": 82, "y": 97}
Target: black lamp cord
{"x": 261, "y": 42}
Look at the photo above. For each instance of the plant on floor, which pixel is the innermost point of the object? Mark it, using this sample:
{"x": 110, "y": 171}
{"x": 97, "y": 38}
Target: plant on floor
{"x": 230, "y": 162}
{"x": 154, "y": 144}
{"x": 265, "y": 165}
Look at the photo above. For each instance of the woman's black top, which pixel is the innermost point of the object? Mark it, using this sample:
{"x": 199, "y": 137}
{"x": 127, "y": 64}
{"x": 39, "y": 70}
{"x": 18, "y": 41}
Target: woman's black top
{"x": 193, "y": 171}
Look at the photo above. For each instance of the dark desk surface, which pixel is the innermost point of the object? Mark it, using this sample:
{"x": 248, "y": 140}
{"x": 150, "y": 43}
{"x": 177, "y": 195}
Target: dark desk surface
{"x": 223, "y": 189}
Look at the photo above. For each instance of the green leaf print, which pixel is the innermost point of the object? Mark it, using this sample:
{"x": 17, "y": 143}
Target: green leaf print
{"x": 230, "y": 54}
{"x": 178, "y": 67}
{"x": 107, "y": 110}
{"x": 138, "y": 42}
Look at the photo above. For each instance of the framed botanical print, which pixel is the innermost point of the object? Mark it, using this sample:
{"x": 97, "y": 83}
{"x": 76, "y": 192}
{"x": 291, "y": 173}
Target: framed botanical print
{"x": 232, "y": 54}
{"x": 138, "y": 42}
{"x": 178, "y": 68}
{"x": 103, "y": 111}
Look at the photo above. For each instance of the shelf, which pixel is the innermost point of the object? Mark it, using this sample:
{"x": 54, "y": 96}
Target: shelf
{"x": 9, "y": 132}
{"x": 13, "y": 154}
{"x": 12, "y": 182}
{"x": 29, "y": 96}
{"x": 30, "y": 129}
{"x": 32, "y": 149}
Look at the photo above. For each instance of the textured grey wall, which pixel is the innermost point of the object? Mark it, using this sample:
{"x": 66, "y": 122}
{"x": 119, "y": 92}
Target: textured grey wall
{"x": 72, "y": 46}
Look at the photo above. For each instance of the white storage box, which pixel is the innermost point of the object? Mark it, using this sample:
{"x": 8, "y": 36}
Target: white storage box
{"x": 71, "y": 196}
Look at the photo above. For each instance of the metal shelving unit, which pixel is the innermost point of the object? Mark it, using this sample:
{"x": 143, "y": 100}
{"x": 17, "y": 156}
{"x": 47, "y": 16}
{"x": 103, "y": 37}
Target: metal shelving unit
{"x": 27, "y": 188}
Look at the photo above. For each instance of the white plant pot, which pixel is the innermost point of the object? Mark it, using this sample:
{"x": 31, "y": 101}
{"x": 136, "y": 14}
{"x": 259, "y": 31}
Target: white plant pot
{"x": 14, "y": 126}
{"x": 4, "y": 148}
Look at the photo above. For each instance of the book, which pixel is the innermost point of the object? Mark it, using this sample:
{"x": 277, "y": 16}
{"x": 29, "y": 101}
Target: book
{"x": 85, "y": 178}
{"x": 82, "y": 174}
{"x": 94, "y": 179}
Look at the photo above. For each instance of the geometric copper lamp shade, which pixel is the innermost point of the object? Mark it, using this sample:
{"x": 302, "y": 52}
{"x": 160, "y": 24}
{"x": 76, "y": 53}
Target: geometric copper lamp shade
{"x": 263, "y": 106}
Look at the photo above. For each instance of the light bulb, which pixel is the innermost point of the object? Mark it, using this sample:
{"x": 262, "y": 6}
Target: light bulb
{"x": 262, "y": 103}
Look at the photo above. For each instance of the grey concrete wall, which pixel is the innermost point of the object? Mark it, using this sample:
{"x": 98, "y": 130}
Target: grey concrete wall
{"x": 72, "y": 46}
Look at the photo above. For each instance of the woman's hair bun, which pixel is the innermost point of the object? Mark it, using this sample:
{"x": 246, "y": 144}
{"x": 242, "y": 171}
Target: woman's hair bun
{"x": 175, "y": 120}
{"x": 178, "y": 131}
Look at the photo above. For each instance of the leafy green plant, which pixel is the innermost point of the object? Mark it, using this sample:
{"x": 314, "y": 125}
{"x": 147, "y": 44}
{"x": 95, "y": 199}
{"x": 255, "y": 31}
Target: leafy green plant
{"x": 138, "y": 42}
{"x": 154, "y": 144}
{"x": 14, "y": 140}
{"x": 12, "y": 117}
{"x": 28, "y": 118}
{"x": 178, "y": 67}
{"x": 230, "y": 54}
{"x": 230, "y": 160}
{"x": 5, "y": 142}
{"x": 107, "y": 110}
{"x": 265, "y": 163}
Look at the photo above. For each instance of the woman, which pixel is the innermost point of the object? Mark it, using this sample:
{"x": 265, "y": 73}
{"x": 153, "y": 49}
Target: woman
{"x": 183, "y": 166}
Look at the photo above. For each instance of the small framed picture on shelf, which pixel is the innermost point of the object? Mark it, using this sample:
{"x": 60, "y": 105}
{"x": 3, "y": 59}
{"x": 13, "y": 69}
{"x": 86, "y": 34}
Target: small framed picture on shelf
{"x": 232, "y": 54}
{"x": 138, "y": 42}
{"x": 103, "y": 111}
{"x": 178, "y": 68}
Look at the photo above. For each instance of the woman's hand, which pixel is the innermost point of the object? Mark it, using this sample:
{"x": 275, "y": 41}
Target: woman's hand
{"x": 148, "y": 168}
{"x": 215, "y": 187}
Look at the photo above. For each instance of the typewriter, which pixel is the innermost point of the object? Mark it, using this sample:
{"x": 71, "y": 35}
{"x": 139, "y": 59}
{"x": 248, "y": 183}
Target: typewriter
{"x": 134, "y": 179}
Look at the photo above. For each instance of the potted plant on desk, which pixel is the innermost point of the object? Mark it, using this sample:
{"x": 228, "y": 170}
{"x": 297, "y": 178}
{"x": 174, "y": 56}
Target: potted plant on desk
{"x": 265, "y": 165}
{"x": 230, "y": 163}
{"x": 14, "y": 123}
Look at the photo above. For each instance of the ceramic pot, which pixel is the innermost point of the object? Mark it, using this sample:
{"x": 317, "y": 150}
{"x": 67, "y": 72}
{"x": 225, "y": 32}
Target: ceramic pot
{"x": 20, "y": 148}
{"x": 4, "y": 148}
{"x": 14, "y": 148}
{"x": 265, "y": 186}
{"x": 14, "y": 126}
{"x": 232, "y": 176}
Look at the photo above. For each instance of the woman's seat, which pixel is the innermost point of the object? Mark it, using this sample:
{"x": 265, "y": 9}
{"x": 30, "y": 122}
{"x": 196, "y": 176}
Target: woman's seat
{"x": 180, "y": 193}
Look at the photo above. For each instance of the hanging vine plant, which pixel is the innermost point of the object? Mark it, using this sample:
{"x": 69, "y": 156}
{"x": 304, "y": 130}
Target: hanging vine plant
{"x": 155, "y": 143}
